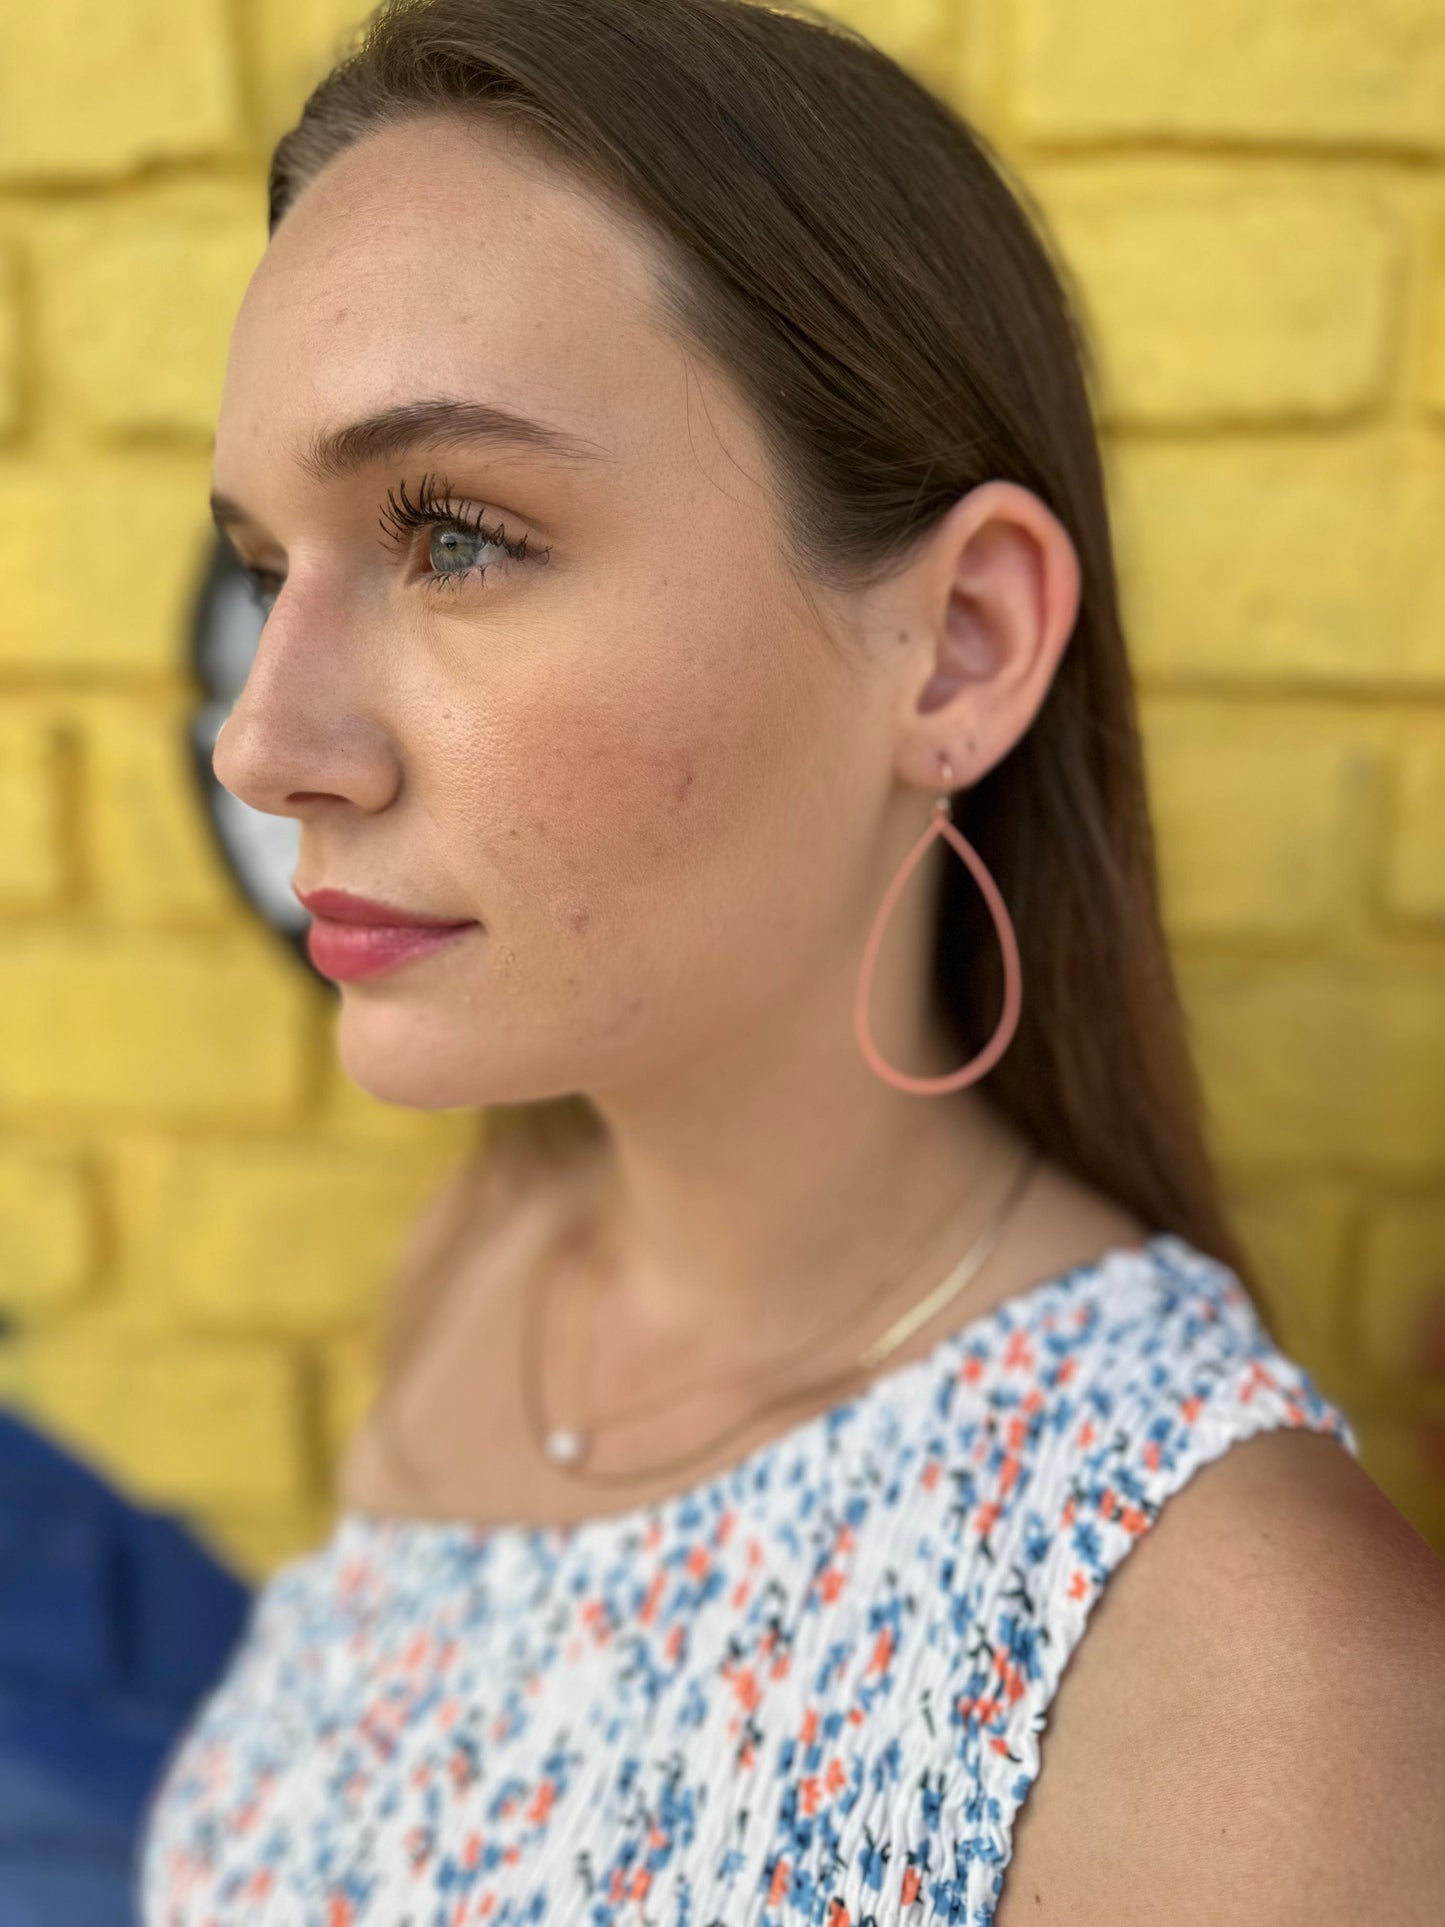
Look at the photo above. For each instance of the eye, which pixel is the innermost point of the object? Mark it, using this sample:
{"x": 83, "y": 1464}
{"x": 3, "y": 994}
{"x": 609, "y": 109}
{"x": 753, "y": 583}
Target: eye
{"x": 264, "y": 586}
{"x": 456, "y": 534}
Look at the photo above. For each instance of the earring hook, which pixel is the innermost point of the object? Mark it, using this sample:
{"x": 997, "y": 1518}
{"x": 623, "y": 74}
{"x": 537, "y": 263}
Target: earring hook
{"x": 943, "y": 805}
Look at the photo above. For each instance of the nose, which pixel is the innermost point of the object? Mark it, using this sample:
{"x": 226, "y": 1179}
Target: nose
{"x": 303, "y": 732}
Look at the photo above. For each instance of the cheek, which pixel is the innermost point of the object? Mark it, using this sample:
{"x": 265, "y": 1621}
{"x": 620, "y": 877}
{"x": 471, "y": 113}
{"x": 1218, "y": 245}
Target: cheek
{"x": 617, "y": 799}
{"x": 624, "y": 790}
{"x": 572, "y": 810}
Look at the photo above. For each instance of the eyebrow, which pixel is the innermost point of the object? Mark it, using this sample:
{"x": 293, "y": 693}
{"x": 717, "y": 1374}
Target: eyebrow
{"x": 336, "y": 454}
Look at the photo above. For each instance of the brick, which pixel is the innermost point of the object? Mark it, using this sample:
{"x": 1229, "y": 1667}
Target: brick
{"x": 104, "y": 1025}
{"x": 35, "y": 865}
{"x": 188, "y": 1421}
{"x": 978, "y": 74}
{"x": 1414, "y": 879}
{"x": 136, "y": 1175}
{"x": 119, "y": 352}
{"x": 1284, "y": 557}
{"x": 352, "y": 1368}
{"x": 48, "y": 1253}
{"x": 918, "y": 34}
{"x": 1292, "y": 70}
{"x": 1400, "y": 1315}
{"x": 1296, "y": 1236}
{"x": 1433, "y": 357}
{"x": 129, "y": 608}
{"x": 284, "y": 1237}
{"x": 1213, "y": 295}
{"x": 1404, "y": 1457}
{"x": 294, "y": 43}
{"x": 255, "y": 1543}
{"x": 91, "y": 92}
{"x": 151, "y": 854}
{"x": 10, "y": 404}
{"x": 12, "y": 1374}
{"x": 1307, "y": 1061}
{"x": 1252, "y": 803}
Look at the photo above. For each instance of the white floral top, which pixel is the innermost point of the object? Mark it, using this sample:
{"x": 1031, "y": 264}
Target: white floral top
{"x": 809, "y": 1689}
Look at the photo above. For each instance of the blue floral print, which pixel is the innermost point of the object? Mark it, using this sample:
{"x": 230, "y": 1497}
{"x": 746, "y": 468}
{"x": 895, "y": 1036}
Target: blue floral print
{"x": 806, "y": 1692}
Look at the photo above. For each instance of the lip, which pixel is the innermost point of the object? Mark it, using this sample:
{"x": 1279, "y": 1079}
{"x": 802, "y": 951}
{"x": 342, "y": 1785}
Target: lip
{"x": 353, "y": 937}
{"x": 348, "y": 951}
{"x": 340, "y": 906}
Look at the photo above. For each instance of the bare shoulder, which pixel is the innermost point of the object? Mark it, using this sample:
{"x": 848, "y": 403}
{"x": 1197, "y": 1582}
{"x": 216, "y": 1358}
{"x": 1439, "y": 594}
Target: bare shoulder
{"x": 1252, "y": 1725}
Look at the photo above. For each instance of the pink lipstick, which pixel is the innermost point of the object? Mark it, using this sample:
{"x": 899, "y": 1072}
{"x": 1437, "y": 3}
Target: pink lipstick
{"x": 353, "y": 937}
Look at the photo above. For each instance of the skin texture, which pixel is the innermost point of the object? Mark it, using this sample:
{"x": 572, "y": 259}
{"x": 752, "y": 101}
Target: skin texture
{"x": 674, "y": 783}
{"x": 1252, "y": 1728}
{"x": 672, "y": 780}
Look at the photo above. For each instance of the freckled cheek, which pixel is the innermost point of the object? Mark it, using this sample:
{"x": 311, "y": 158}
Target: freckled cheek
{"x": 593, "y": 807}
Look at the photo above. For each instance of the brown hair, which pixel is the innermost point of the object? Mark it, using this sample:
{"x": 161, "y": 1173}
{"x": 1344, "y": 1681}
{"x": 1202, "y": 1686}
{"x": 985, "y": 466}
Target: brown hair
{"x": 845, "y": 247}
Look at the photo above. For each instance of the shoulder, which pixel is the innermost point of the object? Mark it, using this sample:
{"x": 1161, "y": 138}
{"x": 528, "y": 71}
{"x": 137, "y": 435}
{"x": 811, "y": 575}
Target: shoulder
{"x": 1253, "y": 1726}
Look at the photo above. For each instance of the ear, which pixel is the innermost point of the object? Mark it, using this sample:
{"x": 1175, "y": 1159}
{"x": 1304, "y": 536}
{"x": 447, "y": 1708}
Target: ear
{"x": 994, "y": 598}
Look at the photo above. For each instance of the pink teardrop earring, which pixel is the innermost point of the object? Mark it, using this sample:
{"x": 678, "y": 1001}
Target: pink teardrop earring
{"x": 942, "y": 825}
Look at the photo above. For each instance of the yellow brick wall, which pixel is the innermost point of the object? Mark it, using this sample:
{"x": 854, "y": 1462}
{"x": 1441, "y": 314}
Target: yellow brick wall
{"x": 198, "y": 1211}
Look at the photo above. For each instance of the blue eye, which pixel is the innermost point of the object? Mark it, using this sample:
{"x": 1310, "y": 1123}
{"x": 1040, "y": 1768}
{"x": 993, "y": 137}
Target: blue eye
{"x": 460, "y": 533}
{"x": 453, "y": 541}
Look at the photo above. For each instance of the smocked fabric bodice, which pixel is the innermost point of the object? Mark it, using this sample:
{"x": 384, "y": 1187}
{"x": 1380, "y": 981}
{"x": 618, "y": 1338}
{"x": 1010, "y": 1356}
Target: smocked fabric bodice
{"x": 809, "y": 1689}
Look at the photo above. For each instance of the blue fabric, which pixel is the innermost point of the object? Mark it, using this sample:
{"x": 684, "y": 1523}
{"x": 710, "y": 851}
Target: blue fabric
{"x": 114, "y": 1620}
{"x": 38, "y": 1890}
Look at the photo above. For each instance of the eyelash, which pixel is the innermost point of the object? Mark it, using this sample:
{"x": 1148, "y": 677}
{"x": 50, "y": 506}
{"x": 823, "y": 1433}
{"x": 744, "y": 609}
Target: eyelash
{"x": 404, "y": 517}
{"x": 430, "y": 511}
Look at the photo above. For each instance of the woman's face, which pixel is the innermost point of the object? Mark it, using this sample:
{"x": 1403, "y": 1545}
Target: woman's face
{"x": 632, "y": 754}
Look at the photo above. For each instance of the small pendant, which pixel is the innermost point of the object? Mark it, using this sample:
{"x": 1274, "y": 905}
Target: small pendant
{"x": 566, "y": 1448}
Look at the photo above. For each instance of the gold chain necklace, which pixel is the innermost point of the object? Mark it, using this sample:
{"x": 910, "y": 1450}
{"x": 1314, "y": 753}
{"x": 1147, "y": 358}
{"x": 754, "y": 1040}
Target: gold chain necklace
{"x": 569, "y": 1448}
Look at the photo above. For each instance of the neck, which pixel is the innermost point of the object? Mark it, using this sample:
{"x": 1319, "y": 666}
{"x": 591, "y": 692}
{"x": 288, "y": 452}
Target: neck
{"x": 744, "y": 1195}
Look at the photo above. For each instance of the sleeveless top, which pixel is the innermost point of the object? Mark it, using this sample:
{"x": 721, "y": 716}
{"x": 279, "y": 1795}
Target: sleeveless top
{"x": 810, "y": 1689}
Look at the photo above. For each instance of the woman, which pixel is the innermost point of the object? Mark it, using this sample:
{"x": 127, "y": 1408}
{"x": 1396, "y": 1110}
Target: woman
{"x": 658, "y": 435}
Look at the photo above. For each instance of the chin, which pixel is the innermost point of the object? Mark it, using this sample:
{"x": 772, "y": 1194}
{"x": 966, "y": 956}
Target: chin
{"x": 393, "y": 1057}
{"x": 400, "y": 1057}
